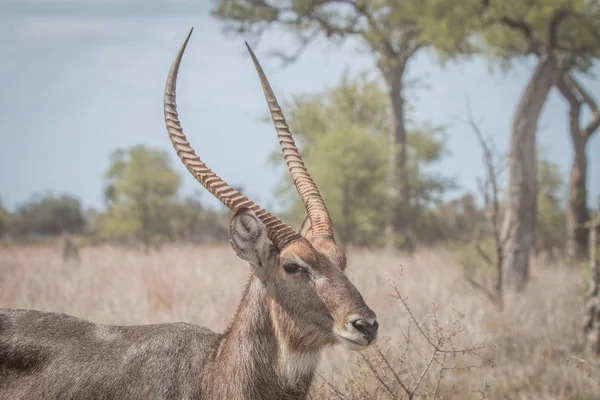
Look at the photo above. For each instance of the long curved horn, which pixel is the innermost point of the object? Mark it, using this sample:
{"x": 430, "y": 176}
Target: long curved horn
{"x": 307, "y": 189}
{"x": 280, "y": 233}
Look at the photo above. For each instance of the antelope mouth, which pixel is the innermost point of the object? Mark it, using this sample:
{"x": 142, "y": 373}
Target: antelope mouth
{"x": 353, "y": 341}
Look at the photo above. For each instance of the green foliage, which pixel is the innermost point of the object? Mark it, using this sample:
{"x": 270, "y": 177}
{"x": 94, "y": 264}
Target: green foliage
{"x": 4, "y": 220}
{"x": 359, "y": 103}
{"x": 342, "y": 135}
{"x": 350, "y": 165}
{"x": 192, "y": 222}
{"x": 449, "y": 25}
{"x": 392, "y": 31}
{"x": 459, "y": 220}
{"x": 507, "y": 30}
{"x": 343, "y": 132}
{"x": 551, "y": 199}
{"x": 48, "y": 215}
{"x": 577, "y": 35}
{"x": 246, "y": 14}
{"x": 140, "y": 193}
{"x": 380, "y": 24}
{"x": 426, "y": 146}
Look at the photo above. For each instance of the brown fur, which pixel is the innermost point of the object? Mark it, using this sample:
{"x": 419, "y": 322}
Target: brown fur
{"x": 269, "y": 351}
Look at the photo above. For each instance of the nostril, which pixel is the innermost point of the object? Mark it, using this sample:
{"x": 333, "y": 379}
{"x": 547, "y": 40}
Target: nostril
{"x": 359, "y": 324}
{"x": 366, "y": 327}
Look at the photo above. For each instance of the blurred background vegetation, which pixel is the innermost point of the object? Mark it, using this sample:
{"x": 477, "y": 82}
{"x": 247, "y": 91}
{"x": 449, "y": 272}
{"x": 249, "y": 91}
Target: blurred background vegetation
{"x": 342, "y": 134}
{"x": 372, "y": 161}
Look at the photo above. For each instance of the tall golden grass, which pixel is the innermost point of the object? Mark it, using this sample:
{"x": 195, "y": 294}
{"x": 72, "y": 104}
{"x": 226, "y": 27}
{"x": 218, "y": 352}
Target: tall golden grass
{"x": 532, "y": 350}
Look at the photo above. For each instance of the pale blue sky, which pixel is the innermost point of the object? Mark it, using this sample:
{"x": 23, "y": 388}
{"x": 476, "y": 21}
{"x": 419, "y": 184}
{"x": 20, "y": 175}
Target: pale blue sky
{"x": 80, "y": 78}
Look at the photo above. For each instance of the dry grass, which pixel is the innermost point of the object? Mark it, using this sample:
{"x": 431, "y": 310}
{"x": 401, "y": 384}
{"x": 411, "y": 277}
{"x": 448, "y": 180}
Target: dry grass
{"x": 535, "y": 344}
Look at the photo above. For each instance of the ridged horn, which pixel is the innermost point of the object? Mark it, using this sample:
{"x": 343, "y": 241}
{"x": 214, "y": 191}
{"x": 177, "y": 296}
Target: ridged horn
{"x": 307, "y": 189}
{"x": 280, "y": 233}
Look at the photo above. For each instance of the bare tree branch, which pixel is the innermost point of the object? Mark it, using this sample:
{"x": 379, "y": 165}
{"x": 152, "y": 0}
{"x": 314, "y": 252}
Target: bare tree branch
{"x": 589, "y": 100}
{"x": 332, "y": 387}
{"x": 431, "y": 359}
{"x": 377, "y": 375}
{"x": 568, "y": 93}
{"x": 574, "y": 107}
{"x": 394, "y": 372}
{"x": 577, "y": 96}
{"x": 490, "y": 190}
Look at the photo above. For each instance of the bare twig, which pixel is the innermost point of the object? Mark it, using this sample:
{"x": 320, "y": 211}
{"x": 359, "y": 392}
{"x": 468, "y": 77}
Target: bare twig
{"x": 391, "y": 373}
{"x": 422, "y": 331}
{"x": 433, "y": 354}
{"x": 490, "y": 191}
{"x": 440, "y": 376}
{"x": 396, "y": 376}
{"x": 377, "y": 375}
{"x": 332, "y": 387}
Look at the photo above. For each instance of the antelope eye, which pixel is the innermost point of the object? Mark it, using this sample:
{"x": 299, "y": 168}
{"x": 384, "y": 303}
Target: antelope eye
{"x": 291, "y": 268}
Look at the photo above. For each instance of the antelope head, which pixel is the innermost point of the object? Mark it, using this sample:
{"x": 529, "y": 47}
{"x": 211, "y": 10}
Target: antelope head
{"x": 302, "y": 272}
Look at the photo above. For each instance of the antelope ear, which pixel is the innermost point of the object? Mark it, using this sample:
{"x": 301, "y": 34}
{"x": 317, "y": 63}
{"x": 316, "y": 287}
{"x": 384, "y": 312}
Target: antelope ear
{"x": 306, "y": 228}
{"x": 248, "y": 237}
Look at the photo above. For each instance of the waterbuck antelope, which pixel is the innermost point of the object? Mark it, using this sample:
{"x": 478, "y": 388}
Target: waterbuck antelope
{"x": 297, "y": 302}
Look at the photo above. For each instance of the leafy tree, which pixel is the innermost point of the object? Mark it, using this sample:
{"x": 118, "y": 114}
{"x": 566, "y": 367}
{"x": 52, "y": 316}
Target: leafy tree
{"x": 342, "y": 133}
{"x": 458, "y": 220}
{"x": 355, "y": 181}
{"x": 48, "y": 215}
{"x": 4, "y": 221}
{"x": 550, "y": 221}
{"x": 426, "y": 146}
{"x": 192, "y": 222}
{"x": 342, "y": 136}
{"x": 392, "y": 31}
{"x": 140, "y": 193}
{"x": 561, "y": 36}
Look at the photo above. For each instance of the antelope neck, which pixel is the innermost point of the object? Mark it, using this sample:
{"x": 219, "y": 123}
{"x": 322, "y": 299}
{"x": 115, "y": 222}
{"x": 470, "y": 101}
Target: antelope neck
{"x": 255, "y": 356}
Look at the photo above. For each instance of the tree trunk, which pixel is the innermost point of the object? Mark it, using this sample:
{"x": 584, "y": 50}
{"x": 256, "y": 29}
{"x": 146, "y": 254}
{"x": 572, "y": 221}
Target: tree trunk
{"x": 398, "y": 223}
{"x": 577, "y": 212}
{"x": 519, "y": 222}
{"x": 592, "y": 324}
